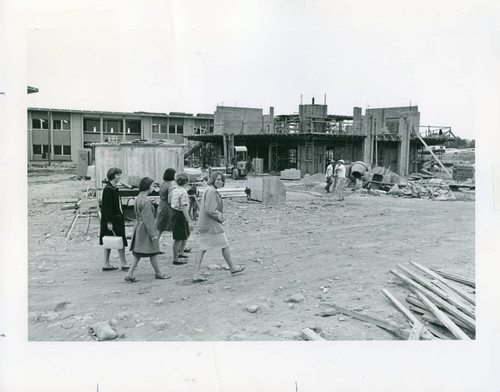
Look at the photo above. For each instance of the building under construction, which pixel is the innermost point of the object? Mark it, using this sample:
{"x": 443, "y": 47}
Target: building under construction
{"x": 388, "y": 137}
{"x": 307, "y": 140}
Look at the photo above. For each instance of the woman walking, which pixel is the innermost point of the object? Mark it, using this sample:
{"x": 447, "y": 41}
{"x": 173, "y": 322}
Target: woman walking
{"x": 181, "y": 221}
{"x": 164, "y": 213}
{"x": 145, "y": 242}
{"x": 112, "y": 219}
{"x": 210, "y": 226}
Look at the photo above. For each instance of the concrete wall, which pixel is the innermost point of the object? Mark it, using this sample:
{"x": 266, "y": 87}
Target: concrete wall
{"x": 237, "y": 120}
{"x": 375, "y": 122}
{"x": 137, "y": 159}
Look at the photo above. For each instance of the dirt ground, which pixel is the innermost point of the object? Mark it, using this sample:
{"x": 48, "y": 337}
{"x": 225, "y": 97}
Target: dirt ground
{"x": 300, "y": 255}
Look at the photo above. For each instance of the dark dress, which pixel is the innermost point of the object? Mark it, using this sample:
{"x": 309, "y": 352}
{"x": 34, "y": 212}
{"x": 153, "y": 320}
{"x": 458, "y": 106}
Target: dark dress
{"x": 111, "y": 211}
{"x": 164, "y": 213}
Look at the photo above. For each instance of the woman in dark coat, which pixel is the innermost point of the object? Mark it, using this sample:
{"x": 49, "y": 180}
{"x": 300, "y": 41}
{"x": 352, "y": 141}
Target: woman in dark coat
{"x": 145, "y": 242}
{"x": 112, "y": 219}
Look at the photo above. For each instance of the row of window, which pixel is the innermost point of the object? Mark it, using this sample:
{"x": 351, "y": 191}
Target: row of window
{"x": 41, "y": 149}
{"x": 93, "y": 125}
{"x": 40, "y": 123}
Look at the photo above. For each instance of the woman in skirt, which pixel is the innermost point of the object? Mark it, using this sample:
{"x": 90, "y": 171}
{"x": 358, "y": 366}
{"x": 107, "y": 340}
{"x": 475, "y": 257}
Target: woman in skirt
{"x": 145, "y": 242}
{"x": 112, "y": 219}
{"x": 181, "y": 221}
{"x": 210, "y": 226}
{"x": 163, "y": 215}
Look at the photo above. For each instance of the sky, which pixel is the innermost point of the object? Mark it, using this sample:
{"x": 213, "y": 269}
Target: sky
{"x": 191, "y": 56}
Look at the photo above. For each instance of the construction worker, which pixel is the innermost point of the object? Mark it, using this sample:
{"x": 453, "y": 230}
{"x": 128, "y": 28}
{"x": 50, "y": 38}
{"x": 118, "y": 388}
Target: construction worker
{"x": 329, "y": 176}
{"x": 339, "y": 172}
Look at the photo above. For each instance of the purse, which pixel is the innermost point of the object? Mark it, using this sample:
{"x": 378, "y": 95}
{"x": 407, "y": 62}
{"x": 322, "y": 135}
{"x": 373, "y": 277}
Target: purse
{"x": 112, "y": 241}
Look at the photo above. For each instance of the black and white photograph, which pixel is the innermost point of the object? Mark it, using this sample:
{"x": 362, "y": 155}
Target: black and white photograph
{"x": 249, "y": 195}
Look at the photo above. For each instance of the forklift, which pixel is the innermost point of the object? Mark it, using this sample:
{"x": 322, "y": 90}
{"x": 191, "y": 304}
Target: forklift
{"x": 235, "y": 158}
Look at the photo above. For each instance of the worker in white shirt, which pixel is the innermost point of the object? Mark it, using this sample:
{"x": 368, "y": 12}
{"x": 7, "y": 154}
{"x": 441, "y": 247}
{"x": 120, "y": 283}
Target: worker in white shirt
{"x": 329, "y": 176}
{"x": 339, "y": 172}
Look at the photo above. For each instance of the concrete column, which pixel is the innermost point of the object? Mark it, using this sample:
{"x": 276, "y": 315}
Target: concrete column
{"x": 101, "y": 130}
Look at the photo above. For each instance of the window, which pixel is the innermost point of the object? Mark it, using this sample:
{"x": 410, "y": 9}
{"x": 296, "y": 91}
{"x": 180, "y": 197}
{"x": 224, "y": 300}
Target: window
{"x": 61, "y": 124}
{"x": 159, "y": 125}
{"x": 39, "y": 123}
{"x": 112, "y": 126}
{"x": 179, "y": 129}
{"x": 57, "y": 150}
{"x": 91, "y": 125}
{"x": 133, "y": 126}
{"x": 66, "y": 150}
{"x": 40, "y": 149}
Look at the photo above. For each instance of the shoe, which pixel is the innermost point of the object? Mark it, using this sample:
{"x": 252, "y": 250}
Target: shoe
{"x": 183, "y": 257}
{"x": 241, "y": 269}
{"x": 199, "y": 280}
{"x": 109, "y": 268}
{"x": 161, "y": 253}
{"x": 187, "y": 250}
{"x": 131, "y": 280}
{"x": 164, "y": 276}
{"x": 125, "y": 268}
{"x": 179, "y": 262}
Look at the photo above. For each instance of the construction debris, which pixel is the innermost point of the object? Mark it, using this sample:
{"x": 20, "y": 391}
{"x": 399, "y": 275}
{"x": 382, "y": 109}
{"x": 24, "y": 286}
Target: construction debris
{"x": 444, "y": 309}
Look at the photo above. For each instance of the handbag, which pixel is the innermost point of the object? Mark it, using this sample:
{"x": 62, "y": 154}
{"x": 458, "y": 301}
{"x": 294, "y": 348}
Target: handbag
{"x": 112, "y": 241}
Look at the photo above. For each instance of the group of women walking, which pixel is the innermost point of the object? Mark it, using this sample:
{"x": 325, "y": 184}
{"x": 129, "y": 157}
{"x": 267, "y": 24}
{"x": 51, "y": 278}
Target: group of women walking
{"x": 172, "y": 216}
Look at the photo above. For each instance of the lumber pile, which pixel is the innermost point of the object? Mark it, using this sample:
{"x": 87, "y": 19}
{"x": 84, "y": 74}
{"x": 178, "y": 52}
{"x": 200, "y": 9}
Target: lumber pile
{"x": 439, "y": 303}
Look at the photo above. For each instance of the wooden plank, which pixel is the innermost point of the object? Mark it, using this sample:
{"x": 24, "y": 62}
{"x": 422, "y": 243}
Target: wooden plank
{"x": 53, "y": 201}
{"x": 456, "y": 289}
{"x": 395, "y": 330}
{"x": 419, "y": 307}
{"x": 455, "y": 296}
{"x": 400, "y": 307}
{"x": 432, "y": 319}
{"x": 437, "y": 333}
{"x": 438, "y": 300}
{"x": 454, "y": 329}
{"x": 432, "y": 153}
{"x": 417, "y": 330}
{"x": 424, "y": 282}
{"x": 309, "y": 334}
{"x": 413, "y": 320}
{"x": 443, "y": 294}
{"x": 468, "y": 281}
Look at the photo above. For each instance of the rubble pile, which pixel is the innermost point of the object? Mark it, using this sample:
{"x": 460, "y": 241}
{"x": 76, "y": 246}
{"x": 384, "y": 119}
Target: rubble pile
{"x": 433, "y": 188}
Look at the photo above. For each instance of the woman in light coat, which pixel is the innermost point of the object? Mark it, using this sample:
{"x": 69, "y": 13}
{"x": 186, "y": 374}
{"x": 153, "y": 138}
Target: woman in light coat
{"x": 210, "y": 227}
{"x": 145, "y": 242}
